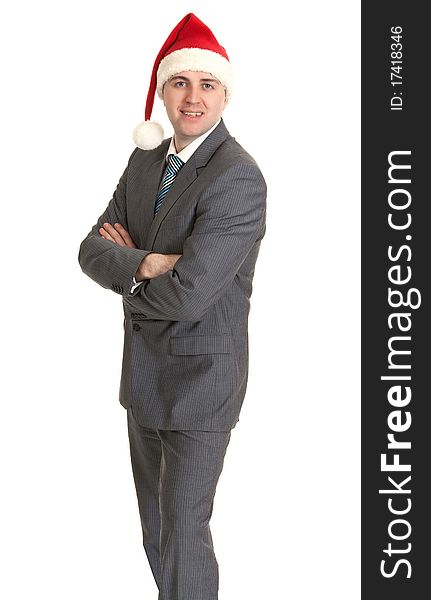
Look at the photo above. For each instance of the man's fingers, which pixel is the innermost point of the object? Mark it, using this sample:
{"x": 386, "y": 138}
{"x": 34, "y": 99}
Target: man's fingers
{"x": 105, "y": 234}
{"x": 118, "y": 234}
{"x": 125, "y": 235}
{"x": 113, "y": 234}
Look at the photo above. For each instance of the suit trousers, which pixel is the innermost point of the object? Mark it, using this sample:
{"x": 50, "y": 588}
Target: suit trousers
{"x": 176, "y": 474}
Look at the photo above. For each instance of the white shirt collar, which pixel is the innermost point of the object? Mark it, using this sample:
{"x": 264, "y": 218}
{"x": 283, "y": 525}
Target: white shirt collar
{"x": 186, "y": 152}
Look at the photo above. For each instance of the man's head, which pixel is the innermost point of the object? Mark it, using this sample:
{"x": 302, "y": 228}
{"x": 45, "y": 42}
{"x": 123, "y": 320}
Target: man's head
{"x": 194, "y": 101}
{"x": 192, "y": 71}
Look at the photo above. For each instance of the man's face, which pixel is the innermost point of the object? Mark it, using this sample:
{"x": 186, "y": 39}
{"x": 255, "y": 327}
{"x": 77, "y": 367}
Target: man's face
{"x": 194, "y": 101}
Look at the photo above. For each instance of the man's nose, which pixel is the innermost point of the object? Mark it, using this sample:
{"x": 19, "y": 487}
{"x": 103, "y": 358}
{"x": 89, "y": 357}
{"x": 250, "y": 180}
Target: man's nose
{"x": 193, "y": 96}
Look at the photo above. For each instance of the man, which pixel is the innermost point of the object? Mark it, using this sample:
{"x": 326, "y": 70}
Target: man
{"x": 179, "y": 241}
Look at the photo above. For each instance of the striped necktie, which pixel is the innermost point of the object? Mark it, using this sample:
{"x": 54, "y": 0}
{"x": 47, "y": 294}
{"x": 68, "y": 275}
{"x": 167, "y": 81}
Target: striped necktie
{"x": 174, "y": 165}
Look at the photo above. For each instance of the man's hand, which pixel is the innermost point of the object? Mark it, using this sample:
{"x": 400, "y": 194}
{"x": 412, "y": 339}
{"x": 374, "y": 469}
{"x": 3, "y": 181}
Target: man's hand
{"x": 155, "y": 264}
{"x": 117, "y": 234}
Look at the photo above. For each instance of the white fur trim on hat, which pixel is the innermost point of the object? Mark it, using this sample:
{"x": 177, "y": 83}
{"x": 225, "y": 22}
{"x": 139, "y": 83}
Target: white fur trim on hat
{"x": 195, "y": 59}
{"x": 148, "y": 135}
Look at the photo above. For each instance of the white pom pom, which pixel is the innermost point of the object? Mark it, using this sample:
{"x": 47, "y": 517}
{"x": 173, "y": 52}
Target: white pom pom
{"x": 148, "y": 135}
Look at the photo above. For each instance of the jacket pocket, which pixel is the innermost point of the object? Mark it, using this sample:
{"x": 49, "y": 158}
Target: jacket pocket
{"x": 201, "y": 344}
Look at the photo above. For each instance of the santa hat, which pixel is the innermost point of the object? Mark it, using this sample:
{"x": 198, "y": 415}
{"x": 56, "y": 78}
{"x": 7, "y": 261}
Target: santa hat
{"x": 191, "y": 46}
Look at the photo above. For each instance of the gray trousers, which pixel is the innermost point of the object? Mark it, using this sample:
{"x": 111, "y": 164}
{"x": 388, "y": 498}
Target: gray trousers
{"x": 176, "y": 474}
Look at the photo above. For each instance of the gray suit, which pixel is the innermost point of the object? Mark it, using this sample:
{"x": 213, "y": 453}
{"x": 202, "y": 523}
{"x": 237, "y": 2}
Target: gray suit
{"x": 185, "y": 359}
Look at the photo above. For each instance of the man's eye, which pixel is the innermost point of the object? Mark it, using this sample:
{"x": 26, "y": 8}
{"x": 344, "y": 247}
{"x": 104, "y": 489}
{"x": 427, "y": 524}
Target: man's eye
{"x": 209, "y": 85}
{"x": 180, "y": 83}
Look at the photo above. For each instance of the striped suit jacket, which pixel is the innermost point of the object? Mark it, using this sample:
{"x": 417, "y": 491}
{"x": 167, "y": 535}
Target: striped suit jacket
{"x": 185, "y": 354}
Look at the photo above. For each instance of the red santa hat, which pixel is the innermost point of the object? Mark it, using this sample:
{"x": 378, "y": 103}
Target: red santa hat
{"x": 191, "y": 46}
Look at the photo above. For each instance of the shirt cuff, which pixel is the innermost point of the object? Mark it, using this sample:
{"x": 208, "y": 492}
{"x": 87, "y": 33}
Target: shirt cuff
{"x": 135, "y": 285}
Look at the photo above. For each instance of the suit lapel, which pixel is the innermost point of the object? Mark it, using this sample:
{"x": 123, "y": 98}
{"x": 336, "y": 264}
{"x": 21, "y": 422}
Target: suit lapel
{"x": 150, "y": 185}
{"x": 154, "y": 176}
{"x": 183, "y": 180}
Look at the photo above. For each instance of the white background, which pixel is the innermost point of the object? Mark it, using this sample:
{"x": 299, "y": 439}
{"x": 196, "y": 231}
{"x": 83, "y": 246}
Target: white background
{"x": 286, "y": 517}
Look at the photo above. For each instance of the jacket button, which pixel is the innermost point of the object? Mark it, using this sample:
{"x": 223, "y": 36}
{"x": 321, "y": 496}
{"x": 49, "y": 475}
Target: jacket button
{"x": 136, "y": 327}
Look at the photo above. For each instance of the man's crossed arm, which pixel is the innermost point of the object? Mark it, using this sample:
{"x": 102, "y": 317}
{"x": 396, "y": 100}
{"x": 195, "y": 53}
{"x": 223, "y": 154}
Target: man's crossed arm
{"x": 229, "y": 224}
{"x": 153, "y": 265}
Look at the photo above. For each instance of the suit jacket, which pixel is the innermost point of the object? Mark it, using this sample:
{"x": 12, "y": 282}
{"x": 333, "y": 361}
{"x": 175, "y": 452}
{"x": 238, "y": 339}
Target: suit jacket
{"x": 185, "y": 355}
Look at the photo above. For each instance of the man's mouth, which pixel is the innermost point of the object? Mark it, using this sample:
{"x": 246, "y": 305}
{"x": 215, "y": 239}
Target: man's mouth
{"x": 191, "y": 114}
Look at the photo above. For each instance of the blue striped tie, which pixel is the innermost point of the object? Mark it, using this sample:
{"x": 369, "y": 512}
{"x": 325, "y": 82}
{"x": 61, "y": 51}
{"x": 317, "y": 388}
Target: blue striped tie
{"x": 174, "y": 165}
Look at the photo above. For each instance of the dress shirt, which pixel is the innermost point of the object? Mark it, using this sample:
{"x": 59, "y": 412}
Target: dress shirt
{"x": 185, "y": 154}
